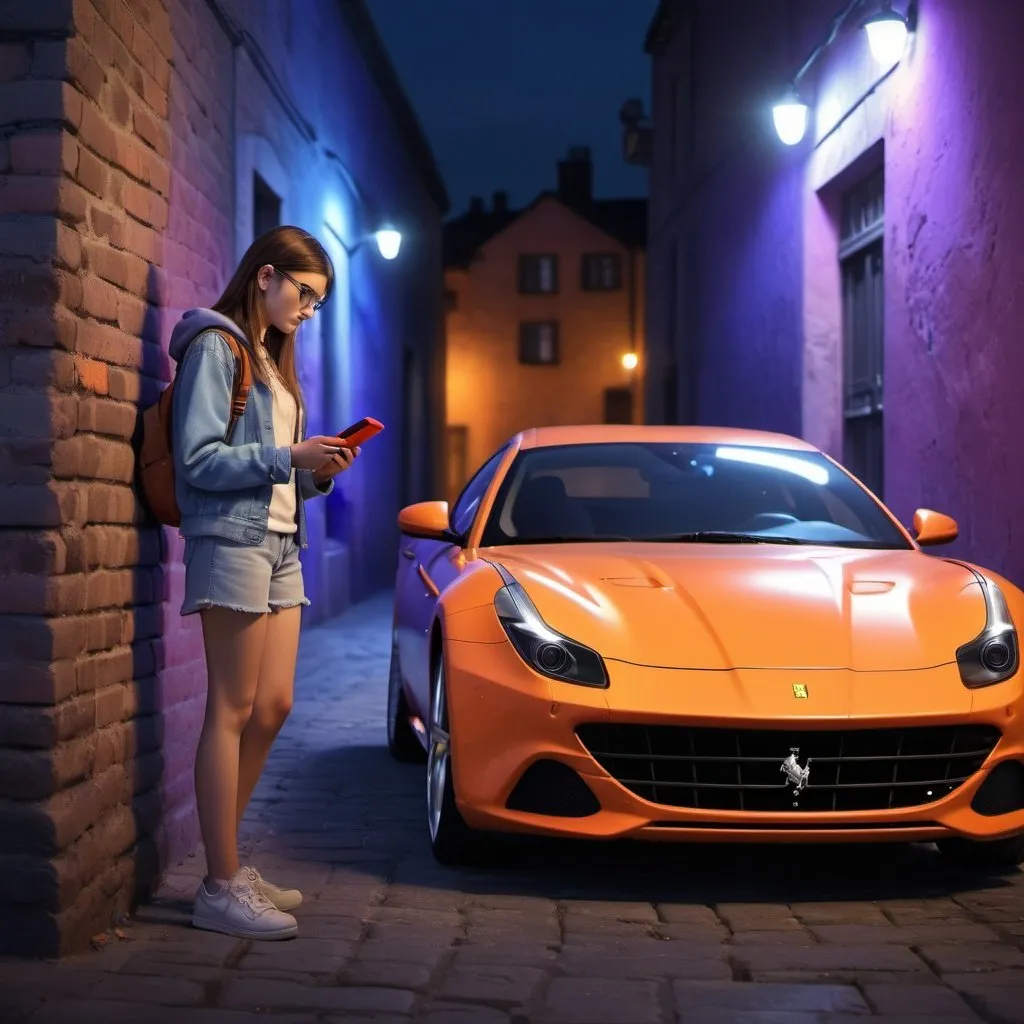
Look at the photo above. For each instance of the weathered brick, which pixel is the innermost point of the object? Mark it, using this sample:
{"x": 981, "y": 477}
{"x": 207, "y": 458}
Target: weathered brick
{"x": 105, "y": 224}
{"x": 117, "y": 267}
{"x": 49, "y": 151}
{"x": 125, "y": 385}
{"x": 43, "y": 368}
{"x": 40, "y": 16}
{"x": 145, "y": 205}
{"x": 68, "y": 248}
{"x": 132, "y": 313}
{"x": 15, "y": 60}
{"x": 44, "y": 726}
{"x": 93, "y": 458}
{"x": 109, "y": 705}
{"x": 118, "y": 105}
{"x": 29, "y": 236}
{"x": 111, "y": 547}
{"x": 38, "y": 506}
{"x": 35, "y": 414}
{"x": 39, "y": 327}
{"x": 36, "y": 682}
{"x": 52, "y": 826}
{"x": 99, "y": 298}
{"x": 101, "y": 42}
{"x": 83, "y": 69}
{"x": 112, "y": 345}
{"x": 29, "y": 101}
{"x": 92, "y": 375}
{"x": 104, "y": 416}
{"x": 143, "y": 241}
{"x": 105, "y": 668}
{"x": 92, "y": 173}
{"x": 35, "y": 552}
{"x": 28, "y": 287}
{"x": 97, "y": 133}
{"x": 26, "y": 774}
{"x": 151, "y": 131}
{"x": 50, "y": 58}
{"x": 121, "y": 21}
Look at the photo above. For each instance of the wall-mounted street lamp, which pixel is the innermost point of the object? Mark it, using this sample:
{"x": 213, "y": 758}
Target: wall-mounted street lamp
{"x": 388, "y": 239}
{"x": 629, "y": 361}
{"x": 887, "y": 35}
{"x": 887, "y": 32}
{"x": 790, "y": 116}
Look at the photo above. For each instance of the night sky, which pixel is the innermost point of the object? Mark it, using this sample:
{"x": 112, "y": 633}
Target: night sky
{"x": 503, "y": 87}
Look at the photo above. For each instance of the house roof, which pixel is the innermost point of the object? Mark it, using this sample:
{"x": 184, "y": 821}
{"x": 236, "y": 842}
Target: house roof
{"x": 663, "y": 24}
{"x": 625, "y": 220}
{"x": 364, "y": 31}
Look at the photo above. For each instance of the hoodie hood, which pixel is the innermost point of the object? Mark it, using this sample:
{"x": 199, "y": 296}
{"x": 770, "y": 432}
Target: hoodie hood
{"x": 193, "y": 322}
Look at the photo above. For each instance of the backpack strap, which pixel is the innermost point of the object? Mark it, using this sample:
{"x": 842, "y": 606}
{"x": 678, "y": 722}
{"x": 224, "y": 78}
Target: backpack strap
{"x": 242, "y": 384}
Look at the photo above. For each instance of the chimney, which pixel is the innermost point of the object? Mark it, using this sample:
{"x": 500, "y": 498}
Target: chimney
{"x": 476, "y": 206}
{"x": 500, "y": 202}
{"x": 576, "y": 175}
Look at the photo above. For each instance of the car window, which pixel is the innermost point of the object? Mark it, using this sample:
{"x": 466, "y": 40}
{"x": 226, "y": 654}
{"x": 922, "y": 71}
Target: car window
{"x": 465, "y": 508}
{"x": 644, "y": 491}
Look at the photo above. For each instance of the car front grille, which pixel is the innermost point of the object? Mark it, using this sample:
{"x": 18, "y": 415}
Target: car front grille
{"x": 741, "y": 769}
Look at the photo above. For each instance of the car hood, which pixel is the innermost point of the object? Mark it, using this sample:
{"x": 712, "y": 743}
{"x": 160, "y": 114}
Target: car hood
{"x": 712, "y": 606}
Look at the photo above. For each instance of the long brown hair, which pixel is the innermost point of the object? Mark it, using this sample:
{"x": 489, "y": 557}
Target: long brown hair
{"x": 289, "y": 249}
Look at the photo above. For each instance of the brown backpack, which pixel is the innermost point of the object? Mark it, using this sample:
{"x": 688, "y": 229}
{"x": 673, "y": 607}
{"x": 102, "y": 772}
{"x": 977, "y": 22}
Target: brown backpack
{"x": 155, "y": 461}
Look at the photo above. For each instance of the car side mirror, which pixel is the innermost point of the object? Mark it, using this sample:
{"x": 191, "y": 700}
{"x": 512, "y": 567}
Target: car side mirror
{"x": 934, "y": 528}
{"x": 427, "y": 519}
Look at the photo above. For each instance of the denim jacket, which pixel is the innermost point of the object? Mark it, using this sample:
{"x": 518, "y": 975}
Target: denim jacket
{"x": 223, "y": 488}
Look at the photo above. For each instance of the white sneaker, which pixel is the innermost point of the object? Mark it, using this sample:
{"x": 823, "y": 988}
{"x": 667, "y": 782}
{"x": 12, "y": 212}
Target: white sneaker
{"x": 283, "y": 899}
{"x": 241, "y": 910}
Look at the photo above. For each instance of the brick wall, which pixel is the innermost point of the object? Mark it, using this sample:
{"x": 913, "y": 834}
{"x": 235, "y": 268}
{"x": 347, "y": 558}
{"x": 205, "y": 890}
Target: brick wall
{"x": 100, "y": 683}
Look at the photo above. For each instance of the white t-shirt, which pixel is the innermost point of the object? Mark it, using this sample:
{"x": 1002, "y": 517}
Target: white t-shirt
{"x": 283, "y": 500}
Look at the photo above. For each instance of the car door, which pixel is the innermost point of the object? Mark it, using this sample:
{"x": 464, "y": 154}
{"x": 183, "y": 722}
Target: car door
{"x": 436, "y": 565}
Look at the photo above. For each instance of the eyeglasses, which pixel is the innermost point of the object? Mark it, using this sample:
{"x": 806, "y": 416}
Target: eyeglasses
{"x": 307, "y": 296}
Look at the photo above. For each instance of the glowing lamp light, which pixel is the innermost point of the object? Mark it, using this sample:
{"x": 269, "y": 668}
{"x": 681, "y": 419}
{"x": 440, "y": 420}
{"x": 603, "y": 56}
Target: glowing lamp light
{"x": 790, "y": 116}
{"x": 389, "y": 241}
{"x": 887, "y": 36}
{"x": 629, "y": 360}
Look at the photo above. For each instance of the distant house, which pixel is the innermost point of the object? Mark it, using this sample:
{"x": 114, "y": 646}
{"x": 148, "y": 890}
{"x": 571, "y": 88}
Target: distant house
{"x": 545, "y": 314}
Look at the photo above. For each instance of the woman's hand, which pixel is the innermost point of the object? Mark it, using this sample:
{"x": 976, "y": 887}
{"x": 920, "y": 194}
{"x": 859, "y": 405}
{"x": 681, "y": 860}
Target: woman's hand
{"x": 337, "y": 464}
{"x": 315, "y": 452}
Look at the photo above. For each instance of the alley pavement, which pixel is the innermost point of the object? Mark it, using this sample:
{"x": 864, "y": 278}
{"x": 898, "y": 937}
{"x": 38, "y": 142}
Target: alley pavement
{"x": 559, "y": 933}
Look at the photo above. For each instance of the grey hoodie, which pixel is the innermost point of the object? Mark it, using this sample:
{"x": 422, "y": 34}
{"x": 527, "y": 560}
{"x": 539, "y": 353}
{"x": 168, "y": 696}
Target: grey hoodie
{"x": 193, "y": 322}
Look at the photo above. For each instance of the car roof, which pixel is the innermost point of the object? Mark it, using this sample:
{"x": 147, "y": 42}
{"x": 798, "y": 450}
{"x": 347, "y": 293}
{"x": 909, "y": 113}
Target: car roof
{"x": 610, "y": 433}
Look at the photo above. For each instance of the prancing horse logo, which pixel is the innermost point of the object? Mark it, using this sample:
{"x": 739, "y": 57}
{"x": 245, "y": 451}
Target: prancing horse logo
{"x": 794, "y": 773}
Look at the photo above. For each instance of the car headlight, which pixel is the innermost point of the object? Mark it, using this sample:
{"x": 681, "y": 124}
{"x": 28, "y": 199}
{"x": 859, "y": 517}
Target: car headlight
{"x": 994, "y": 654}
{"x": 543, "y": 649}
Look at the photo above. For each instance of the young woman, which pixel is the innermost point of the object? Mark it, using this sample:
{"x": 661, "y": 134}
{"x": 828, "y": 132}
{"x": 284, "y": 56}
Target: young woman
{"x": 241, "y": 499}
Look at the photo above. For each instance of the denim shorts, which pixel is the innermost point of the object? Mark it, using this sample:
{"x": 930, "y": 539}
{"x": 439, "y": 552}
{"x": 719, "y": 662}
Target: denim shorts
{"x": 255, "y": 578}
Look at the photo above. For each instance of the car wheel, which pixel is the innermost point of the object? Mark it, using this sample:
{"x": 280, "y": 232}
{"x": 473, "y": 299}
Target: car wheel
{"x": 994, "y": 853}
{"x": 403, "y": 743}
{"x": 452, "y": 841}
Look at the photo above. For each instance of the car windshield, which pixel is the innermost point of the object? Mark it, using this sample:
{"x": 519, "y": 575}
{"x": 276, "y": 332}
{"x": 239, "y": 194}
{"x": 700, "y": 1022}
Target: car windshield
{"x": 684, "y": 493}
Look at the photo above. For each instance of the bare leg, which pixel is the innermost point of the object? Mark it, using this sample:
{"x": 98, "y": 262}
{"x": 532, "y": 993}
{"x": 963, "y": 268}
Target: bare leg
{"x": 273, "y": 700}
{"x": 234, "y": 648}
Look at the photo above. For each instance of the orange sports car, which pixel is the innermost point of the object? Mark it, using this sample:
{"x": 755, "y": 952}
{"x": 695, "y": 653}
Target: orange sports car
{"x": 697, "y": 634}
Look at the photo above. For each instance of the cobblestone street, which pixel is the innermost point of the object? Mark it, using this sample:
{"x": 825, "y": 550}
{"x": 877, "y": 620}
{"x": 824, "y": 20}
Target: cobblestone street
{"x": 575, "y": 934}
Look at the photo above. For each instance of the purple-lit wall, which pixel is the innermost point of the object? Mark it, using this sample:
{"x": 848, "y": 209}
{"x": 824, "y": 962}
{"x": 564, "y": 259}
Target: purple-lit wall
{"x": 955, "y": 284}
{"x": 757, "y": 303}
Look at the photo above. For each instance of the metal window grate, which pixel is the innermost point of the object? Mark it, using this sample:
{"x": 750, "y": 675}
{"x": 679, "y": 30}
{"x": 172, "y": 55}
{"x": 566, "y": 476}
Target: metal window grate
{"x": 739, "y": 769}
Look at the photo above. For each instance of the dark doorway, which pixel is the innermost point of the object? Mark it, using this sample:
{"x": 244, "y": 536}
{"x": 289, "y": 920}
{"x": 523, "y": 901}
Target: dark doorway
{"x": 618, "y": 405}
{"x": 861, "y": 260}
{"x": 266, "y": 207}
